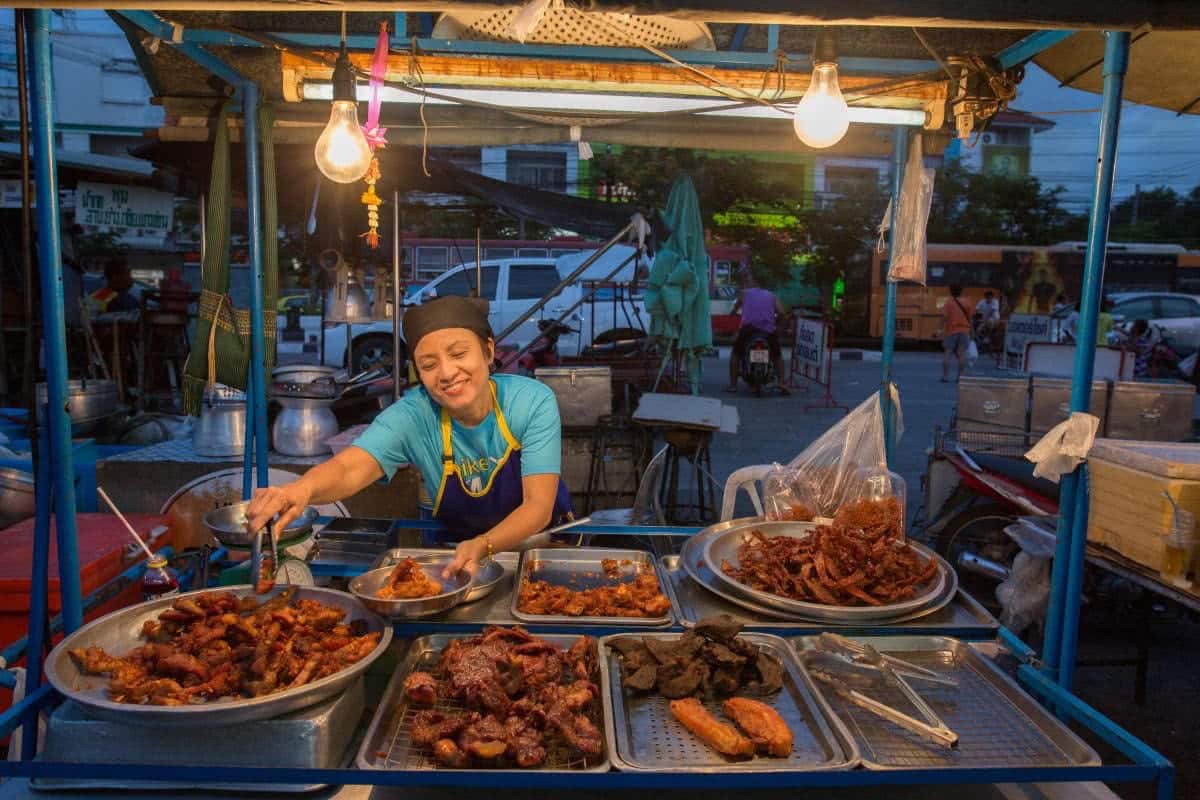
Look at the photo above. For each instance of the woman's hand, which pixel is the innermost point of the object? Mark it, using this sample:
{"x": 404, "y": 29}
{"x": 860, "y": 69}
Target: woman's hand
{"x": 288, "y": 502}
{"x": 466, "y": 556}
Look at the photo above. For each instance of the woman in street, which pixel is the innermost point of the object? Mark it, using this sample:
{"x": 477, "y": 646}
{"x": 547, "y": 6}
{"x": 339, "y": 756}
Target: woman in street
{"x": 488, "y": 448}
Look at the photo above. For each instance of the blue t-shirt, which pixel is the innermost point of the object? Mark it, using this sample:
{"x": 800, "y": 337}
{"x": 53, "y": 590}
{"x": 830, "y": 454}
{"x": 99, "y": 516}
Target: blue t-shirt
{"x": 409, "y": 432}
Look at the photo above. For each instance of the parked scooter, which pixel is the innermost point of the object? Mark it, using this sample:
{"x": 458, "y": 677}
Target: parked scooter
{"x": 543, "y": 352}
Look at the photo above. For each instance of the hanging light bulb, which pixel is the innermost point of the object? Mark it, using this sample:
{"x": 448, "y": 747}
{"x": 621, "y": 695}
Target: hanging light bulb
{"x": 342, "y": 152}
{"x": 822, "y": 116}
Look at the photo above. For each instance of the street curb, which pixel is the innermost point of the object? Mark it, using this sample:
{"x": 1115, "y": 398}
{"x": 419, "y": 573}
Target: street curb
{"x": 857, "y": 355}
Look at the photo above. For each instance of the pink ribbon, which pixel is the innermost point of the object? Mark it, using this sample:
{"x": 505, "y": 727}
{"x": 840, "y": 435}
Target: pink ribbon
{"x": 375, "y": 135}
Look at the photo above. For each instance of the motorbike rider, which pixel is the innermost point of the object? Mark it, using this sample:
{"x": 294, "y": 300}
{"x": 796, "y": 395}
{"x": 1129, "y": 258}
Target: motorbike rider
{"x": 758, "y": 308}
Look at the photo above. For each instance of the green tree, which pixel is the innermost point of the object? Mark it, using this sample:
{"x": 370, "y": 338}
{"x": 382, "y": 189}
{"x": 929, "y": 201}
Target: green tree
{"x": 986, "y": 208}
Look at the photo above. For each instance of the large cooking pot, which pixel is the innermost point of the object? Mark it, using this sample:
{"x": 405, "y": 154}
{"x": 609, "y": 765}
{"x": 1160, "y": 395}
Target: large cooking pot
{"x": 220, "y": 432}
{"x": 88, "y": 402}
{"x": 302, "y": 426}
{"x": 302, "y": 373}
{"x": 17, "y": 498}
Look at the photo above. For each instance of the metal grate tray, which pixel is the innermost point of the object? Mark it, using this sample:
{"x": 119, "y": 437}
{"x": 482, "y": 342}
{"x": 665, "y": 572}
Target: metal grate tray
{"x": 645, "y": 736}
{"x": 387, "y": 745}
{"x": 962, "y": 616}
{"x": 997, "y": 723}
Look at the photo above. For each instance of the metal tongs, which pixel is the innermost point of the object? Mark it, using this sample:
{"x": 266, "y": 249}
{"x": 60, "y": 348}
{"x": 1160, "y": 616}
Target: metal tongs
{"x": 262, "y": 559}
{"x": 836, "y": 654}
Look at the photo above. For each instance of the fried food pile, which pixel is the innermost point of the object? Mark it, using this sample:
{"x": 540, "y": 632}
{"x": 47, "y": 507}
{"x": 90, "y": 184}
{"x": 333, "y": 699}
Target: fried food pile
{"x": 217, "y": 645}
{"x": 709, "y": 658}
{"x": 520, "y": 696}
{"x": 861, "y": 559}
{"x": 765, "y": 731}
{"x": 408, "y": 582}
{"x": 640, "y": 597}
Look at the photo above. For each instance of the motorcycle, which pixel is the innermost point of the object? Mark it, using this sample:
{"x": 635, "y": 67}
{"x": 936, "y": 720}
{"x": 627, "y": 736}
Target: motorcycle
{"x": 543, "y": 352}
{"x": 757, "y": 368}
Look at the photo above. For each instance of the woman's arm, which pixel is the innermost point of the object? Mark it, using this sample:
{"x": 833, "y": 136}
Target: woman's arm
{"x": 345, "y": 474}
{"x": 532, "y": 516}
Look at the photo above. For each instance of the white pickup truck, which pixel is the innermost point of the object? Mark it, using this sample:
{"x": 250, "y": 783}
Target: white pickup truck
{"x": 512, "y": 286}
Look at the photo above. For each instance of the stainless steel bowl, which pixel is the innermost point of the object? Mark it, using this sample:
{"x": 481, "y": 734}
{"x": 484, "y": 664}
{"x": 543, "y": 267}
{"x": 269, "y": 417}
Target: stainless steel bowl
{"x": 228, "y": 525}
{"x": 490, "y": 572}
{"x": 367, "y": 585}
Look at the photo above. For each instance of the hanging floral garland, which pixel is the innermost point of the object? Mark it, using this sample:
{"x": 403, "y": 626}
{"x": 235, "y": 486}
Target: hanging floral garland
{"x": 375, "y": 135}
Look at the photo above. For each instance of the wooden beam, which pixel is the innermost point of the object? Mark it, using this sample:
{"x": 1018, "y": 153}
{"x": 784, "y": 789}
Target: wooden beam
{"x": 1014, "y": 14}
{"x": 592, "y": 76}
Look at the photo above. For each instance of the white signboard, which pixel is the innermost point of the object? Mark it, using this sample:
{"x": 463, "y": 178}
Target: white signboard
{"x": 139, "y": 217}
{"x": 10, "y": 196}
{"x": 1020, "y": 331}
{"x": 811, "y": 352}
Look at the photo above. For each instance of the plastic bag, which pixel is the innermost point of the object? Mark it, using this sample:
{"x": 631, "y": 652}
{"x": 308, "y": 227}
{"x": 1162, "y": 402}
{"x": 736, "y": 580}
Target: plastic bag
{"x": 846, "y": 463}
{"x": 907, "y": 262}
{"x": 1025, "y": 593}
{"x": 972, "y": 352}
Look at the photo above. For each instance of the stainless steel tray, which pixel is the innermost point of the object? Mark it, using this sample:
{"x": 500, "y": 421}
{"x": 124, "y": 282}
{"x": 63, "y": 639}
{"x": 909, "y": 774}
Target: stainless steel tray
{"x": 580, "y": 568}
{"x": 645, "y": 736}
{"x": 955, "y": 612}
{"x": 489, "y": 575}
{"x": 997, "y": 723}
{"x": 722, "y": 546}
{"x": 317, "y": 737}
{"x": 120, "y": 632}
{"x": 387, "y": 746}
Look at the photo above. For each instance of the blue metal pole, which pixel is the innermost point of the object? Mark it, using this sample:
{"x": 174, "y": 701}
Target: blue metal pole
{"x": 54, "y": 331}
{"x": 39, "y": 585}
{"x": 258, "y": 239}
{"x": 1072, "y": 534}
{"x": 899, "y": 146}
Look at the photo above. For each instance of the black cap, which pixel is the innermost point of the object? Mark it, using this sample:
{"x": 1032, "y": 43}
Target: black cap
{"x": 451, "y": 311}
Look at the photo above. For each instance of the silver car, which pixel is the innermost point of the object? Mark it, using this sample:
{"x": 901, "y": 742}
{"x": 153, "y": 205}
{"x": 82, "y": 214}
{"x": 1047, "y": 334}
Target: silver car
{"x": 1177, "y": 316}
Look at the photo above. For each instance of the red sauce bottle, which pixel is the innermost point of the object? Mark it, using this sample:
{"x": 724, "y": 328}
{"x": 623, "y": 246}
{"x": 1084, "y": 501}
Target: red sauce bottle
{"x": 159, "y": 580}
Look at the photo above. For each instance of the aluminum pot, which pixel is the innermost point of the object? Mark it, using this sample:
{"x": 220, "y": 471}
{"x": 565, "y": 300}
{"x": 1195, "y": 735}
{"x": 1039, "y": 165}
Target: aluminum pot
{"x": 17, "y": 498}
{"x": 220, "y": 432}
{"x": 88, "y": 402}
{"x": 302, "y": 426}
{"x": 302, "y": 373}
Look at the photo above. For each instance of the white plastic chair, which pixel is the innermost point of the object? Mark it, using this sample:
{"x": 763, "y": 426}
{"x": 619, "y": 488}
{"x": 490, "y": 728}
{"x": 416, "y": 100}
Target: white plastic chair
{"x": 646, "y": 508}
{"x": 748, "y": 479}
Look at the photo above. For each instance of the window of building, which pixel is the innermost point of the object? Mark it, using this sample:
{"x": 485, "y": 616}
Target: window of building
{"x": 851, "y": 180}
{"x": 538, "y": 169}
{"x": 531, "y": 281}
{"x": 499, "y": 252}
{"x": 531, "y": 252}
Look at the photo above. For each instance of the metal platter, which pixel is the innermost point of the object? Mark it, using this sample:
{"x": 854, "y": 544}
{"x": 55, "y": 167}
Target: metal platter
{"x": 120, "y": 632}
{"x": 691, "y": 560}
{"x": 490, "y": 572}
{"x": 366, "y": 586}
{"x": 723, "y": 548}
{"x": 582, "y": 568}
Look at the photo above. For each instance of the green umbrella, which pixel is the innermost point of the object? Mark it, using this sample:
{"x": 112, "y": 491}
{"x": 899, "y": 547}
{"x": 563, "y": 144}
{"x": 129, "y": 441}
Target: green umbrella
{"x": 677, "y": 289}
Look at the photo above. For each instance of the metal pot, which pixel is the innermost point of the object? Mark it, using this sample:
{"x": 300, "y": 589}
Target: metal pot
{"x": 221, "y": 430}
{"x": 302, "y": 426}
{"x": 17, "y": 498}
{"x": 88, "y": 402}
{"x": 302, "y": 373}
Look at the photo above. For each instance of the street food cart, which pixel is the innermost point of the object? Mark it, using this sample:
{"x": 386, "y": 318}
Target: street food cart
{"x": 1008, "y": 704}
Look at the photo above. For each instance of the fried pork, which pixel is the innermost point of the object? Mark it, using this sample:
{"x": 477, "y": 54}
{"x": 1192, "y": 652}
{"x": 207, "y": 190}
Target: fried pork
{"x": 408, "y": 582}
{"x": 640, "y": 597}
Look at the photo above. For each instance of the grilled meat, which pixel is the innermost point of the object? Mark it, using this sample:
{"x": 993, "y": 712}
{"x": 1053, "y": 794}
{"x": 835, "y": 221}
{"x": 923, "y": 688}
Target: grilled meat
{"x": 447, "y": 753}
{"x": 721, "y": 737}
{"x": 421, "y": 688}
{"x": 762, "y": 724}
{"x": 215, "y": 645}
{"x": 429, "y": 726}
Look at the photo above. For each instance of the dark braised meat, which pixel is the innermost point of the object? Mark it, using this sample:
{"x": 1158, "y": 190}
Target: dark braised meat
{"x": 216, "y": 645}
{"x": 519, "y": 690}
{"x": 862, "y": 559}
{"x": 709, "y": 658}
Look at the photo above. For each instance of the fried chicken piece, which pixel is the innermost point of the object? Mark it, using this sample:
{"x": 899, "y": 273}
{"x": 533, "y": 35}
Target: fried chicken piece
{"x": 421, "y": 688}
{"x": 583, "y": 657}
{"x": 525, "y": 745}
{"x": 429, "y": 726}
{"x": 721, "y": 737}
{"x": 408, "y": 581}
{"x": 762, "y": 724}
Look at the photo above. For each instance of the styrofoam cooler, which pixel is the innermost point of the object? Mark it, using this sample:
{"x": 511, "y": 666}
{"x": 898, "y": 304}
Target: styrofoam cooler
{"x": 993, "y": 404}
{"x": 1050, "y": 402}
{"x": 1158, "y": 411}
{"x": 1127, "y": 509}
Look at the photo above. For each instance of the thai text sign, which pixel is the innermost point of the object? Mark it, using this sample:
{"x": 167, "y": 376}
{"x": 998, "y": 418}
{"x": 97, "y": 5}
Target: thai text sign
{"x": 811, "y": 348}
{"x": 1020, "y": 331}
{"x": 137, "y": 216}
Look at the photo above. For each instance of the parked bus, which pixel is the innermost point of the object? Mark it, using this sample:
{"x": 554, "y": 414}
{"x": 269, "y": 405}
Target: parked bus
{"x": 1026, "y": 279}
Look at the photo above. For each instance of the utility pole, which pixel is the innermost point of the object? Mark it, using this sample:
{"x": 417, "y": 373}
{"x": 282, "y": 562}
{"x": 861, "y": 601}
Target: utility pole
{"x": 1137, "y": 190}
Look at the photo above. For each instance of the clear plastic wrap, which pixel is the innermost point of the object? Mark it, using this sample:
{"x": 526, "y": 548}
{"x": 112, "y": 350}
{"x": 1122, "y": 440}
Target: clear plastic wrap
{"x": 845, "y": 465}
{"x": 907, "y": 263}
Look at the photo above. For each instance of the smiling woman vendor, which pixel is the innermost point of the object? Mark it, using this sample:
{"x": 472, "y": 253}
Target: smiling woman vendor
{"x": 488, "y": 448}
